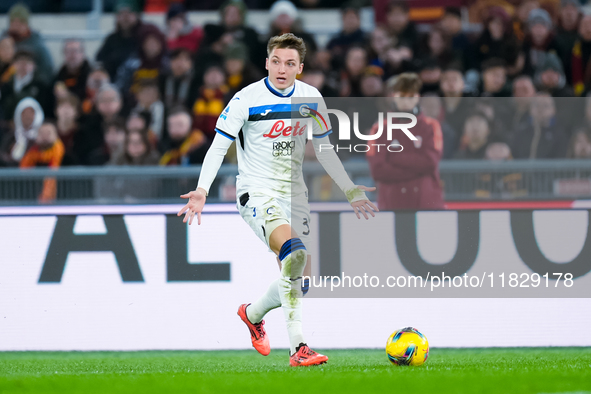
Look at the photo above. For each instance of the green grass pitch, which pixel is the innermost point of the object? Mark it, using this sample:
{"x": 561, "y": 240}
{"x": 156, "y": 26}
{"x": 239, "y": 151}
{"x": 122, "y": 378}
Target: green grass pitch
{"x": 498, "y": 370}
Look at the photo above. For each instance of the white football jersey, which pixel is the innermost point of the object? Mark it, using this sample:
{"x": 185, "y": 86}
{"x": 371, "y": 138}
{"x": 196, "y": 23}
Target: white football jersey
{"x": 271, "y": 131}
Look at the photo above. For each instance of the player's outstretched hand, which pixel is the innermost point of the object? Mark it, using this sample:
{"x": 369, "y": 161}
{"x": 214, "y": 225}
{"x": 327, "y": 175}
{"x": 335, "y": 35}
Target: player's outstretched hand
{"x": 364, "y": 206}
{"x": 194, "y": 206}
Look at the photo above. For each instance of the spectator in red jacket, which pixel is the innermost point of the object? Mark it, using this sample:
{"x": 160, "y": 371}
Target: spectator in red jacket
{"x": 408, "y": 179}
{"x": 180, "y": 33}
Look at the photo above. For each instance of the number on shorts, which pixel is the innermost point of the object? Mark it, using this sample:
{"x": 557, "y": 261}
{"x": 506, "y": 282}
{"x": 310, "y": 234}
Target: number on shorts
{"x": 307, "y": 227}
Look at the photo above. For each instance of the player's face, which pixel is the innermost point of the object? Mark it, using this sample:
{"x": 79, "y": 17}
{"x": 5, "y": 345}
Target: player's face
{"x": 283, "y": 65}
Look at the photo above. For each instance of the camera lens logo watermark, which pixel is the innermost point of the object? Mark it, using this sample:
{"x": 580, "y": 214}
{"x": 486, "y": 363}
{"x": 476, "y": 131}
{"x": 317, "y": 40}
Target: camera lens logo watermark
{"x": 306, "y": 111}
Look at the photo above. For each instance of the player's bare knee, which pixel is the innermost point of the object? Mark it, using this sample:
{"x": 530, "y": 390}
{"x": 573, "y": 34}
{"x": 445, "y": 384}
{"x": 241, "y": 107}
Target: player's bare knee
{"x": 276, "y": 233}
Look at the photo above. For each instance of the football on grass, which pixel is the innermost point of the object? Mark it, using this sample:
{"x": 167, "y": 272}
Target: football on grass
{"x": 407, "y": 346}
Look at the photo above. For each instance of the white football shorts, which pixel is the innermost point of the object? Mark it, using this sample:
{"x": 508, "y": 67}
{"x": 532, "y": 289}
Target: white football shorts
{"x": 265, "y": 213}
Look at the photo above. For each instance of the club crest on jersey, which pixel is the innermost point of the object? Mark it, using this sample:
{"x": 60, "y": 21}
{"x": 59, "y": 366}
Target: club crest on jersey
{"x": 279, "y": 129}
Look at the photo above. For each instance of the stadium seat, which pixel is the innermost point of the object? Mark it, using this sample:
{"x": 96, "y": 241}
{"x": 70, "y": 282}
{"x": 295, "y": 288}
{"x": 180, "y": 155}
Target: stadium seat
{"x": 76, "y": 5}
{"x": 34, "y": 5}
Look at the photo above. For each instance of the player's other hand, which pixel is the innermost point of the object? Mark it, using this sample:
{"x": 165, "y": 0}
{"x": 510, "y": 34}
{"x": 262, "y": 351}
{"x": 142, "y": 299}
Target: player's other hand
{"x": 364, "y": 206}
{"x": 194, "y": 206}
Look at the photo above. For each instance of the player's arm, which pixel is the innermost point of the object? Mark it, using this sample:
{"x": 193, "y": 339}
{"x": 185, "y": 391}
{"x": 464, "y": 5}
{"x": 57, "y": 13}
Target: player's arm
{"x": 227, "y": 127}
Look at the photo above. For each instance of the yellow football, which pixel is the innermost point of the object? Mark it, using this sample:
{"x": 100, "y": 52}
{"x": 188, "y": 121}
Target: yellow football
{"x": 407, "y": 346}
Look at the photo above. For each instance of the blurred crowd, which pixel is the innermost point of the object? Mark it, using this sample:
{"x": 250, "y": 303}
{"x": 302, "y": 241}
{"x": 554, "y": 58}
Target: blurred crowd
{"x": 152, "y": 97}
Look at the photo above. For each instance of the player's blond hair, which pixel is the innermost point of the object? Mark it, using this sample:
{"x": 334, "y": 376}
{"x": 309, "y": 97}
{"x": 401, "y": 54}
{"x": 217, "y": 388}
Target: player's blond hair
{"x": 287, "y": 41}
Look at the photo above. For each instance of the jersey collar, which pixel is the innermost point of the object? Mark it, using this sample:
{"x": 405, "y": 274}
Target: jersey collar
{"x": 275, "y": 92}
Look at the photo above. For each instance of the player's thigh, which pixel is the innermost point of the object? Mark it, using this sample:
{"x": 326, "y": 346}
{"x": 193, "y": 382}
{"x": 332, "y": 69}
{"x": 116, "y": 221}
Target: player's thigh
{"x": 263, "y": 214}
{"x": 299, "y": 217}
{"x": 301, "y": 224}
{"x": 250, "y": 213}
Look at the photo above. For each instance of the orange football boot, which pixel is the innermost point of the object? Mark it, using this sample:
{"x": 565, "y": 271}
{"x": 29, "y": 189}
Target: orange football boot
{"x": 305, "y": 357}
{"x": 258, "y": 336}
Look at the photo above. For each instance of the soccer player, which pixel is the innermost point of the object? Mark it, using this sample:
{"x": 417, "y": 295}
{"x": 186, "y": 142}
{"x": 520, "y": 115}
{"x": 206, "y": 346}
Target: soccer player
{"x": 271, "y": 194}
